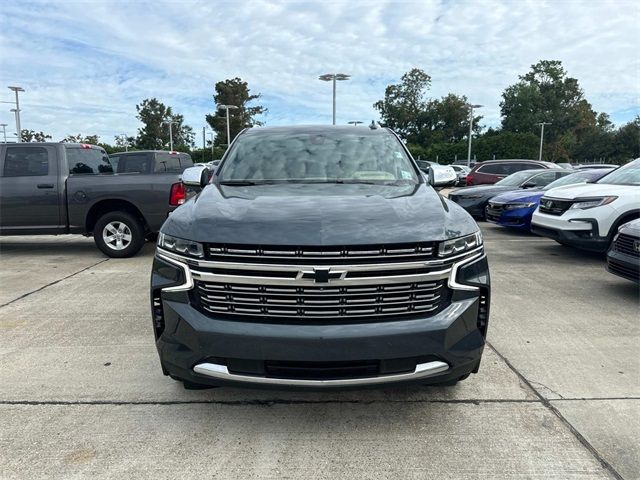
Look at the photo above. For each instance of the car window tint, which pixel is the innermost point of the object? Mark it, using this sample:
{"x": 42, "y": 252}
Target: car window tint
{"x": 88, "y": 161}
{"x": 26, "y": 162}
{"x": 135, "y": 163}
{"x": 171, "y": 162}
{"x": 114, "y": 160}
{"x": 543, "y": 179}
{"x": 492, "y": 169}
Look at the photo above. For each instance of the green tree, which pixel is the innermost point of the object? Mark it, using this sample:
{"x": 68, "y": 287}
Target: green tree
{"x": 547, "y": 94}
{"x": 627, "y": 141}
{"x": 404, "y": 103}
{"x": 154, "y": 134}
{"x": 446, "y": 120}
{"x": 235, "y": 92}
{"x": 33, "y": 136}
{"x": 79, "y": 138}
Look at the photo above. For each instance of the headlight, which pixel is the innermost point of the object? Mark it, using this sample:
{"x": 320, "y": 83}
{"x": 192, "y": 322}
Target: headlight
{"x": 461, "y": 244}
{"x": 513, "y": 206}
{"x": 179, "y": 245}
{"x": 592, "y": 202}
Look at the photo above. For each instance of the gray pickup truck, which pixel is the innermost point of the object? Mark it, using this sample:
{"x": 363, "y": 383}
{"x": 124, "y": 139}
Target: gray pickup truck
{"x": 67, "y": 188}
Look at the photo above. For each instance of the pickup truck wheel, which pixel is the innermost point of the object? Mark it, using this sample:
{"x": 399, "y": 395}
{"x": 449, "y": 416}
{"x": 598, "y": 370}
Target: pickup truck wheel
{"x": 119, "y": 234}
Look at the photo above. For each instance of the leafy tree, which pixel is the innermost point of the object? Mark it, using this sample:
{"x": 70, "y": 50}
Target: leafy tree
{"x": 404, "y": 103}
{"x": 547, "y": 94}
{"x": 33, "y": 136}
{"x": 236, "y": 92}
{"x": 627, "y": 141}
{"x": 446, "y": 120}
{"x": 92, "y": 139}
{"x": 154, "y": 134}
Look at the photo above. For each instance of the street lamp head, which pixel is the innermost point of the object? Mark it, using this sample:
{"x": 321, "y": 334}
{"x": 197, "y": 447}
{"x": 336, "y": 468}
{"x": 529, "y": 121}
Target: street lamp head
{"x": 327, "y": 77}
{"x": 228, "y": 107}
{"x": 16, "y": 89}
{"x": 342, "y": 76}
{"x": 469, "y": 105}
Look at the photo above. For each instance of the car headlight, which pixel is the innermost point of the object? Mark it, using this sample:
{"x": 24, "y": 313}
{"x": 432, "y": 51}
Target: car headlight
{"x": 461, "y": 244}
{"x": 514, "y": 206}
{"x": 179, "y": 245}
{"x": 592, "y": 202}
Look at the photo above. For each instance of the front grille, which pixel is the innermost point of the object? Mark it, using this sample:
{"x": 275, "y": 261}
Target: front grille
{"x": 632, "y": 272}
{"x": 553, "y": 206}
{"x": 317, "y": 302}
{"x": 625, "y": 244}
{"x": 305, "y": 255}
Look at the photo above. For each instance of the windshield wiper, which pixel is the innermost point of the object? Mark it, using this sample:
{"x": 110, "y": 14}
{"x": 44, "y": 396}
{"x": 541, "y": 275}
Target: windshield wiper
{"x": 238, "y": 183}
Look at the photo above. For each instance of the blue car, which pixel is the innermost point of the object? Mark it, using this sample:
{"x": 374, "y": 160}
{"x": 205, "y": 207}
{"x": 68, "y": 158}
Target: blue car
{"x": 514, "y": 209}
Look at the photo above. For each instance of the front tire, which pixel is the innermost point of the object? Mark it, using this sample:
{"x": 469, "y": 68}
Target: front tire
{"x": 119, "y": 234}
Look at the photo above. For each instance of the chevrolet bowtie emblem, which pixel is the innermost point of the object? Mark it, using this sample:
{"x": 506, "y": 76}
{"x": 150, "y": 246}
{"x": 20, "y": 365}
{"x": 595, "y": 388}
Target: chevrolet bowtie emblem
{"x": 321, "y": 275}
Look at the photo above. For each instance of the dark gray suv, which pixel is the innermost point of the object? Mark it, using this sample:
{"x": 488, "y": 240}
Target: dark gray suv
{"x": 318, "y": 257}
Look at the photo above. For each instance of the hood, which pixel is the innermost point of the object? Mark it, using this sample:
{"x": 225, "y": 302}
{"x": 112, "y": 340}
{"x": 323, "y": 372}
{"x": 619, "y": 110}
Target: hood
{"x": 582, "y": 190}
{"x": 318, "y": 215}
{"x": 521, "y": 195}
{"x": 631, "y": 228}
{"x": 484, "y": 190}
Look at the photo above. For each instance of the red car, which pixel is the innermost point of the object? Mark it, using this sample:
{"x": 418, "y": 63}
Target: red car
{"x": 491, "y": 171}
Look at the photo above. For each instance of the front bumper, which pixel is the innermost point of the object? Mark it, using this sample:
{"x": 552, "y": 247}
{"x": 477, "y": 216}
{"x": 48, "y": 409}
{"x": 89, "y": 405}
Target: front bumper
{"x": 474, "y": 206}
{"x": 577, "y": 232}
{"x": 517, "y": 218}
{"x": 623, "y": 265}
{"x": 220, "y": 350}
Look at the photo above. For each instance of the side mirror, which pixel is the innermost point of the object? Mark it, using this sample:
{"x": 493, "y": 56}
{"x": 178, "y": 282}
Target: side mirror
{"x": 442, "y": 177}
{"x": 528, "y": 185}
{"x": 195, "y": 176}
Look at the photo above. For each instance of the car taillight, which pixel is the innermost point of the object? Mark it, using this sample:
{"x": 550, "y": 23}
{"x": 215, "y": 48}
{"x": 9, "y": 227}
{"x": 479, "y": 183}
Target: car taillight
{"x": 85, "y": 145}
{"x": 469, "y": 180}
{"x": 178, "y": 194}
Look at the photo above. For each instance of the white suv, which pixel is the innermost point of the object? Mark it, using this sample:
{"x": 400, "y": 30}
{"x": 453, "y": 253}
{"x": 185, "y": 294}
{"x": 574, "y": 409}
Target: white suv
{"x": 588, "y": 215}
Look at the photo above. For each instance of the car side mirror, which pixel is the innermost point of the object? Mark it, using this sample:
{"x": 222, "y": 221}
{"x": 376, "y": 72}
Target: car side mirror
{"x": 195, "y": 176}
{"x": 528, "y": 185}
{"x": 441, "y": 177}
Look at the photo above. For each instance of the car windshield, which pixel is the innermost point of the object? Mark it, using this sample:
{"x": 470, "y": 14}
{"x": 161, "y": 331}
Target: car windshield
{"x": 326, "y": 157}
{"x": 578, "y": 177}
{"x": 628, "y": 174}
{"x": 515, "y": 179}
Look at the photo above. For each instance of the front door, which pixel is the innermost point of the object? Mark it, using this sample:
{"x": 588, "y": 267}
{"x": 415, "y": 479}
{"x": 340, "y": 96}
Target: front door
{"x": 29, "y": 189}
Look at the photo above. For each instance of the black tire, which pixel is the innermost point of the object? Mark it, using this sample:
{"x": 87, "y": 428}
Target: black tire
{"x": 133, "y": 234}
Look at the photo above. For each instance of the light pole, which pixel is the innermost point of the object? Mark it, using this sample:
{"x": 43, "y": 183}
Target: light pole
{"x": 16, "y": 90}
{"x": 211, "y": 135}
{"x": 227, "y": 108}
{"x": 542, "y": 124}
{"x": 170, "y": 123}
{"x": 355, "y": 123}
{"x": 470, "y": 107}
{"x": 204, "y": 144}
{"x": 4, "y": 131}
{"x": 333, "y": 77}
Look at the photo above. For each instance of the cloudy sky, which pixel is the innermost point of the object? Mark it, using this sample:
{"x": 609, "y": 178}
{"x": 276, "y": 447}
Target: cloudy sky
{"x": 85, "y": 65}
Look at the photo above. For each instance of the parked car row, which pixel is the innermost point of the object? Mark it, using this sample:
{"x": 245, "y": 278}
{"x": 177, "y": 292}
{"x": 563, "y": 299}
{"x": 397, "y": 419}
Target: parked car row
{"x": 584, "y": 208}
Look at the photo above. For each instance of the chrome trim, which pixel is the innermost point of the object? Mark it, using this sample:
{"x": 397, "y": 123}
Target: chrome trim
{"x": 453, "y": 284}
{"x": 420, "y": 277}
{"x": 422, "y": 370}
{"x": 188, "y": 279}
{"x": 279, "y": 267}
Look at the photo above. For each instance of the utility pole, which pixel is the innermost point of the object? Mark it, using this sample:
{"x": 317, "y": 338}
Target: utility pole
{"x": 204, "y": 144}
{"x": 4, "y": 131}
{"x": 170, "y": 123}
{"x": 333, "y": 77}
{"x": 227, "y": 108}
{"x": 17, "y": 110}
{"x": 470, "y": 107}
{"x": 211, "y": 135}
{"x": 542, "y": 124}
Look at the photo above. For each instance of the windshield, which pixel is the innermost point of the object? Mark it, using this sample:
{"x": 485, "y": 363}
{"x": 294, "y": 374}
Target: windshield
{"x": 515, "y": 179}
{"x": 579, "y": 177}
{"x": 628, "y": 174}
{"x": 325, "y": 157}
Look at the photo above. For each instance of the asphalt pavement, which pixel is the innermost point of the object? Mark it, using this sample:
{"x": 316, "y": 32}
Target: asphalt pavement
{"x": 557, "y": 396}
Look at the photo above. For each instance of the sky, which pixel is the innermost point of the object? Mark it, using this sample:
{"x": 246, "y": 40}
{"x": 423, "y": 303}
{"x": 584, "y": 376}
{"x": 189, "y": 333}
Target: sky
{"x": 85, "y": 65}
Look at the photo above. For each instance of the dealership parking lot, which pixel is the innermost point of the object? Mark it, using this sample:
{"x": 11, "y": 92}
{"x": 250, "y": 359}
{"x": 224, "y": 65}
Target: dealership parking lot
{"x": 557, "y": 396}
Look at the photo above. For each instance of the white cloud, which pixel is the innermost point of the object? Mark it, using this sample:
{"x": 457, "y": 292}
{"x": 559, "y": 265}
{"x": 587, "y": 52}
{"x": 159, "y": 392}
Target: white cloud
{"x": 86, "y": 65}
